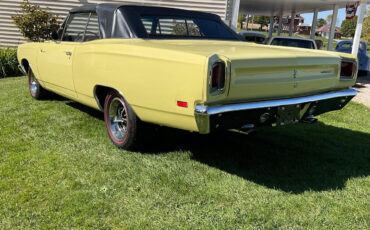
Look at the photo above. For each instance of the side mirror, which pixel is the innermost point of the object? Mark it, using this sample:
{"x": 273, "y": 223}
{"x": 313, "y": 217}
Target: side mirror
{"x": 54, "y": 35}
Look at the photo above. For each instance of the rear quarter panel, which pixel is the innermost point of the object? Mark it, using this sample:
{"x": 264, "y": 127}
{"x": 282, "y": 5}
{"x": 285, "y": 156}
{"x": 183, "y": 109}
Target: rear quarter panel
{"x": 151, "y": 80}
{"x": 344, "y": 84}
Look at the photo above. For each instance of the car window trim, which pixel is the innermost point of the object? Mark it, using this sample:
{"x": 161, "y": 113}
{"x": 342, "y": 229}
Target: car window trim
{"x": 65, "y": 26}
{"x": 87, "y": 25}
{"x": 68, "y": 22}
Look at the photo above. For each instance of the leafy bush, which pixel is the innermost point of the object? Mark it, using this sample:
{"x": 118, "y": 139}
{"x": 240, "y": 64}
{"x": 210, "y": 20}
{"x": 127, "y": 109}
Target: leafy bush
{"x": 348, "y": 27}
{"x": 366, "y": 28}
{"x": 35, "y": 23}
{"x": 181, "y": 29}
{"x": 8, "y": 62}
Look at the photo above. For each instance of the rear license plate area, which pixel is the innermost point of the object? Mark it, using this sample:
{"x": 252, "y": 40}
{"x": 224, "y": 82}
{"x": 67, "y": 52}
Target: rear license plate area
{"x": 287, "y": 115}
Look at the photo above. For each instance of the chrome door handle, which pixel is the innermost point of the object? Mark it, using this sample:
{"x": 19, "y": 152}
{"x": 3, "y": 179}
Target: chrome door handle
{"x": 68, "y": 53}
{"x": 42, "y": 51}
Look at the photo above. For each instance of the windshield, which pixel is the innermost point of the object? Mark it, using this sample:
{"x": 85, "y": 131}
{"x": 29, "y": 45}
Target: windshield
{"x": 185, "y": 28}
{"x": 293, "y": 43}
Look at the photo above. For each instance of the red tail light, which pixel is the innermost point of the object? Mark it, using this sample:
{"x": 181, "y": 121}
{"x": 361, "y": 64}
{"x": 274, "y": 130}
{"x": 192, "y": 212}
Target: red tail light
{"x": 347, "y": 70}
{"x": 218, "y": 77}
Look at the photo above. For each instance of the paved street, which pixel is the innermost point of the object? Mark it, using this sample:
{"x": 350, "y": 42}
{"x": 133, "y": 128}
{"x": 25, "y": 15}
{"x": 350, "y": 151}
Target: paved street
{"x": 363, "y": 86}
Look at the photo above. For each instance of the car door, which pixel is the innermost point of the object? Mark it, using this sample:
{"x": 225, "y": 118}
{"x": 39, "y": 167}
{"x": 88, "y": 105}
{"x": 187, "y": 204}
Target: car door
{"x": 56, "y": 58}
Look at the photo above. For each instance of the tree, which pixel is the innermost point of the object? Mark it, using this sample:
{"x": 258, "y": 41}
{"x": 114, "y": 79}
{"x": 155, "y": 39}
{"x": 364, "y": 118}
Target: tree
{"x": 366, "y": 27}
{"x": 321, "y": 22}
{"x": 329, "y": 19}
{"x": 241, "y": 19}
{"x": 348, "y": 27}
{"x": 35, "y": 23}
{"x": 262, "y": 20}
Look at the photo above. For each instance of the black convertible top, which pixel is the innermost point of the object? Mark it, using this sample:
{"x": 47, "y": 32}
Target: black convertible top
{"x": 112, "y": 8}
{"x": 121, "y": 20}
{"x": 84, "y": 8}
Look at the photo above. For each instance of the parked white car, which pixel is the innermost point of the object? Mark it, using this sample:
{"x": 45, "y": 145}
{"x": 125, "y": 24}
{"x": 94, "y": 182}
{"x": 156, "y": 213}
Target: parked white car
{"x": 292, "y": 42}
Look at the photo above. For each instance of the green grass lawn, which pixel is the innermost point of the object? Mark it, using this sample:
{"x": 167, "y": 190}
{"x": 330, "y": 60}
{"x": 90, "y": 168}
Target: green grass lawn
{"x": 58, "y": 169}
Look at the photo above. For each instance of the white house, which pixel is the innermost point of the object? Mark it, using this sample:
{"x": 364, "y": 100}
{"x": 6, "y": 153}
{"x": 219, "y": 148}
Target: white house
{"x": 325, "y": 32}
{"x": 10, "y": 36}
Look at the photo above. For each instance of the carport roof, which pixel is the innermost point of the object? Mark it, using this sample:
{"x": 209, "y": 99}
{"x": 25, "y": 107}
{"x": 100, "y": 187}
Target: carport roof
{"x": 274, "y": 7}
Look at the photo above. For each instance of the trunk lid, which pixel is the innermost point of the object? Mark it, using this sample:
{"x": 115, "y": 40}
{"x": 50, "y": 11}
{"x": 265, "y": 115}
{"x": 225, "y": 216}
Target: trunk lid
{"x": 265, "y": 78}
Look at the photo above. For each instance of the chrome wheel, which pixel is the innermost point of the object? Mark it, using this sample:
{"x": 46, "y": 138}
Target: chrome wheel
{"x": 117, "y": 119}
{"x": 121, "y": 122}
{"x": 33, "y": 84}
{"x": 34, "y": 87}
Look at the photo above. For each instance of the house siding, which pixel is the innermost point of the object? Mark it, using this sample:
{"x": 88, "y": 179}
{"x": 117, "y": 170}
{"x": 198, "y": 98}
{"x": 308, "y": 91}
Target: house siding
{"x": 10, "y": 36}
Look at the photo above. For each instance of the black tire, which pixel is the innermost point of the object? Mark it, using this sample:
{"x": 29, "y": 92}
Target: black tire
{"x": 35, "y": 89}
{"x": 123, "y": 126}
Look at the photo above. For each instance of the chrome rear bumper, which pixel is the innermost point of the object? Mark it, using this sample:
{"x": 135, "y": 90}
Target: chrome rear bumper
{"x": 323, "y": 102}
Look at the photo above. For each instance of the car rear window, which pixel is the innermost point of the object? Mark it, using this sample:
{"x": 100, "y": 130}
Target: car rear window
{"x": 171, "y": 27}
{"x": 256, "y": 39}
{"x": 348, "y": 46}
{"x": 293, "y": 43}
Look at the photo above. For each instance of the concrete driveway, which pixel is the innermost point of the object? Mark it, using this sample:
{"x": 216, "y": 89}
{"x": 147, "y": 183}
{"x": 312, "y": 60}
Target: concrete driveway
{"x": 363, "y": 86}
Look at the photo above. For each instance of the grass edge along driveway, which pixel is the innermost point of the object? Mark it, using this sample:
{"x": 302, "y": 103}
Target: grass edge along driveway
{"x": 58, "y": 169}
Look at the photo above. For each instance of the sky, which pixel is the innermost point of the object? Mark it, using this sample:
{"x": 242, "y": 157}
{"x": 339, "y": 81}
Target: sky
{"x": 341, "y": 16}
{"x": 324, "y": 14}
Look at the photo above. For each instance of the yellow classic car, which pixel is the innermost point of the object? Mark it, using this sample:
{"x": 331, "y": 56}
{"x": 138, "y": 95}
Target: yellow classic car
{"x": 181, "y": 69}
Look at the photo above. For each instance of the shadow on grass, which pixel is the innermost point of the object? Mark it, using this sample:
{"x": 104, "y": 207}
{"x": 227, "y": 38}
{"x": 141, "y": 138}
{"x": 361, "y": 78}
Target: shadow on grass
{"x": 293, "y": 159}
{"x": 54, "y": 97}
{"x": 90, "y": 111}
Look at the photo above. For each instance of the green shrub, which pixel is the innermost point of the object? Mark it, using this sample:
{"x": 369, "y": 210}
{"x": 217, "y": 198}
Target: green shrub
{"x": 8, "y": 62}
{"x": 35, "y": 23}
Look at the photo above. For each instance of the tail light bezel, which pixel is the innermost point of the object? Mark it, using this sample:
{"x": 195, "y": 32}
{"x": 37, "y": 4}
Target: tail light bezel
{"x": 353, "y": 64}
{"x": 222, "y": 78}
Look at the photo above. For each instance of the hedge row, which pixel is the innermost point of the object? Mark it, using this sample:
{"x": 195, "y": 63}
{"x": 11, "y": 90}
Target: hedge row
{"x": 8, "y": 62}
